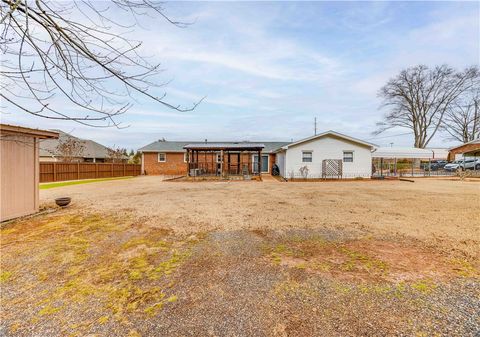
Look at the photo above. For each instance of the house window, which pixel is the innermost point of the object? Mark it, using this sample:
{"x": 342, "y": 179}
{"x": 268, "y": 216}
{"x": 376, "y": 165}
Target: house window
{"x": 307, "y": 156}
{"x": 162, "y": 157}
{"x": 348, "y": 156}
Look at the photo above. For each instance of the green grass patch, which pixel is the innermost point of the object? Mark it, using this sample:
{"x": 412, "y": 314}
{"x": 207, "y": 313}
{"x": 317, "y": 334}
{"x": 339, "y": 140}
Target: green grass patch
{"x": 5, "y": 276}
{"x": 46, "y": 186}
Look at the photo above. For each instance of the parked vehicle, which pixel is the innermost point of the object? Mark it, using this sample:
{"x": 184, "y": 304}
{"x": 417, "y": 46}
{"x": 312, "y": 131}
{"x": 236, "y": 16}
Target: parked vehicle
{"x": 468, "y": 164}
{"x": 435, "y": 165}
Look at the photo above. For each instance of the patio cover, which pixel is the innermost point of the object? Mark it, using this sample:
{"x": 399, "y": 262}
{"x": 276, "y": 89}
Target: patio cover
{"x": 225, "y": 146}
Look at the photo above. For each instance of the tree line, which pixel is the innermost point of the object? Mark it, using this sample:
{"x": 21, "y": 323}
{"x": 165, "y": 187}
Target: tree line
{"x": 431, "y": 100}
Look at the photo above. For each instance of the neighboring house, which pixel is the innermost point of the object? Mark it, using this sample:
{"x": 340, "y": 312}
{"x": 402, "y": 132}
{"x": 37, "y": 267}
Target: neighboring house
{"x": 19, "y": 167}
{"x": 329, "y": 154}
{"x": 91, "y": 152}
{"x": 470, "y": 149}
{"x": 329, "y": 151}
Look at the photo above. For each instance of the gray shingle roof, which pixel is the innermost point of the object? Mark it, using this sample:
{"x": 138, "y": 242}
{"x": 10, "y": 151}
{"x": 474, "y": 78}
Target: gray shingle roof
{"x": 48, "y": 147}
{"x": 177, "y": 146}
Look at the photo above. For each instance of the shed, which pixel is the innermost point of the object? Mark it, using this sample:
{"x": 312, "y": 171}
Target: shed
{"x": 470, "y": 149}
{"x": 19, "y": 166}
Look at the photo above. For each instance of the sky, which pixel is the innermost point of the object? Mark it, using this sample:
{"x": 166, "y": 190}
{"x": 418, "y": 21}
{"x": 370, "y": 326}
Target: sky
{"x": 267, "y": 69}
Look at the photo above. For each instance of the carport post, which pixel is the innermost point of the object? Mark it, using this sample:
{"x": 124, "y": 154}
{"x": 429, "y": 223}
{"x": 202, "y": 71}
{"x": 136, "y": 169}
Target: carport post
{"x": 429, "y": 167}
{"x": 412, "y": 165}
{"x": 381, "y": 167}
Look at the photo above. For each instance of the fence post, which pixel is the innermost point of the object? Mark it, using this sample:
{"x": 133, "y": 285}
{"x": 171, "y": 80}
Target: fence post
{"x": 54, "y": 171}
{"x": 78, "y": 171}
{"x": 124, "y": 169}
{"x": 96, "y": 170}
{"x": 112, "y": 171}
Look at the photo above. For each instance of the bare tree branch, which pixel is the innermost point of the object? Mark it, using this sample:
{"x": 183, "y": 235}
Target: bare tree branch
{"x": 419, "y": 97}
{"x": 56, "y": 52}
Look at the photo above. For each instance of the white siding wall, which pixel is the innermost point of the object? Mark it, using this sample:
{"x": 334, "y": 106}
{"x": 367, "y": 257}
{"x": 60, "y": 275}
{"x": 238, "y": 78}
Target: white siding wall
{"x": 329, "y": 147}
{"x": 280, "y": 161}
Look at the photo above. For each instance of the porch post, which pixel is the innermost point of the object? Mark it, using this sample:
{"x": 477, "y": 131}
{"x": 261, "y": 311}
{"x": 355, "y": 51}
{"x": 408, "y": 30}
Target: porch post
{"x": 221, "y": 163}
{"x": 259, "y": 163}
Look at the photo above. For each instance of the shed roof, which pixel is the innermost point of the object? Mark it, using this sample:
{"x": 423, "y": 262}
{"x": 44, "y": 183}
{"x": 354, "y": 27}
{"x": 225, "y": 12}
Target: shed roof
{"x": 15, "y": 129}
{"x": 403, "y": 152}
{"x": 475, "y": 141}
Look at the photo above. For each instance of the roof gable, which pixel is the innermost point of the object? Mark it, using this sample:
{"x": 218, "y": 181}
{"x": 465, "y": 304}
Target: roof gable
{"x": 332, "y": 134}
{"x": 91, "y": 148}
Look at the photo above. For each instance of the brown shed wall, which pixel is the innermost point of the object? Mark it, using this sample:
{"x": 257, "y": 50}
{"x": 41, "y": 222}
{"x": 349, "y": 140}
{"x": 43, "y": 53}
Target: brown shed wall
{"x": 19, "y": 175}
{"x": 463, "y": 149}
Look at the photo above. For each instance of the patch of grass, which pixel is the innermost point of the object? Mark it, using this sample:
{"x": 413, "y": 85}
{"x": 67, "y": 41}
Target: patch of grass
{"x": 5, "y": 276}
{"x": 102, "y": 320}
{"x": 172, "y": 299}
{"x": 464, "y": 268}
{"x": 46, "y": 186}
{"x": 357, "y": 259}
{"x": 150, "y": 243}
{"x": 294, "y": 288}
{"x": 7, "y": 231}
{"x": 424, "y": 286}
{"x": 48, "y": 310}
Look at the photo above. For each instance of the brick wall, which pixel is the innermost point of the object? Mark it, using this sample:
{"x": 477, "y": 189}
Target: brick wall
{"x": 462, "y": 149}
{"x": 174, "y": 164}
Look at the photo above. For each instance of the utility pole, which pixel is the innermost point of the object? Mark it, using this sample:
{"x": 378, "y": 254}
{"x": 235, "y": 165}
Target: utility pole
{"x": 315, "y": 126}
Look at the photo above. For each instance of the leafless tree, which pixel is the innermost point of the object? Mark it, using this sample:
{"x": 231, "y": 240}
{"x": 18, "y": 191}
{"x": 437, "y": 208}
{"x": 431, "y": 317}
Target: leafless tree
{"x": 462, "y": 119}
{"x": 74, "y": 61}
{"x": 70, "y": 149}
{"x": 419, "y": 97}
{"x": 117, "y": 154}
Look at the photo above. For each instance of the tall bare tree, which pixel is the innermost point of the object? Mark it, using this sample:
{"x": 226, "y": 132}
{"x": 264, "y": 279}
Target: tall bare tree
{"x": 70, "y": 149}
{"x": 419, "y": 97}
{"x": 73, "y": 61}
{"x": 462, "y": 119}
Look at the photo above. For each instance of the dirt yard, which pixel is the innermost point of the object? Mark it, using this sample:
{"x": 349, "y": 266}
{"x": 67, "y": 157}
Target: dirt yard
{"x": 142, "y": 257}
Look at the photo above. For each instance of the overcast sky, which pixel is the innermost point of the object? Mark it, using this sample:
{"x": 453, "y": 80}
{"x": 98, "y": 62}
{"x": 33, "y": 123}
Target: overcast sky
{"x": 267, "y": 69}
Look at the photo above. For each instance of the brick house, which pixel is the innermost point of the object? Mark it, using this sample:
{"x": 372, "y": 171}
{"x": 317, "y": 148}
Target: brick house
{"x": 471, "y": 148}
{"x": 321, "y": 156}
{"x": 170, "y": 158}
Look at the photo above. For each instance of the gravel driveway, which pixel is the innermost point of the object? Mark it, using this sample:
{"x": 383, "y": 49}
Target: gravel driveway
{"x": 142, "y": 257}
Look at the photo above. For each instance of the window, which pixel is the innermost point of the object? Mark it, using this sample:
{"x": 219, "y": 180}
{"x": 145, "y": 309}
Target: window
{"x": 348, "y": 156}
{"x": 307, "y": 156}
{"x": 162, "y": 157}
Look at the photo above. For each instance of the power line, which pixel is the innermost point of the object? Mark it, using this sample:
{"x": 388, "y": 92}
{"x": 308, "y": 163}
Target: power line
{"x": 400, "y": 134}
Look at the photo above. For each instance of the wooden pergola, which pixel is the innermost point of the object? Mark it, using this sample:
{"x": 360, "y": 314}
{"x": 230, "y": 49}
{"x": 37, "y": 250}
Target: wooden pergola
{"x": 223, "y": 159}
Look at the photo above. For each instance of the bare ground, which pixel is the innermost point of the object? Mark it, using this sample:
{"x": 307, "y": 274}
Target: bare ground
{"x": 142, "y": 257}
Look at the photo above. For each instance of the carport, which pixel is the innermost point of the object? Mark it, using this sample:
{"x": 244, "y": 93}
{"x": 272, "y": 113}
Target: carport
{"x": 393, "y": 161}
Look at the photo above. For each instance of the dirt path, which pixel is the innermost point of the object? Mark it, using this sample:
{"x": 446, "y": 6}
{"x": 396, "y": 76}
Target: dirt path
{"x": 439, "y": 212}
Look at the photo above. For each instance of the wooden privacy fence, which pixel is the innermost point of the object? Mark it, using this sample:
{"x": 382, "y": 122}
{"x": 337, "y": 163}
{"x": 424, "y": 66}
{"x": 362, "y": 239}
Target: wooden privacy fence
{"x": 50, "y": 172}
